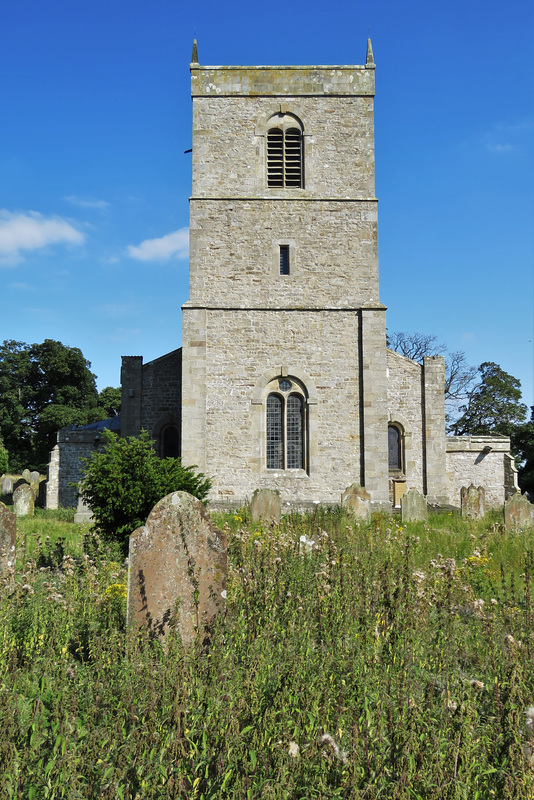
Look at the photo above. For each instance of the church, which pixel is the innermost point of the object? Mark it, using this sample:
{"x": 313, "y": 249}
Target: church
{"x": 284, "y": 380}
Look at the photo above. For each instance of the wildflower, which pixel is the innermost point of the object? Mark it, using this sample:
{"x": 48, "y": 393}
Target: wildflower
{"x": 478, "y": 604}
{"x": 452, "y": 705}
{"x": 419, "y": 576}
{"x": 508, "y": 639}
{"x": 300, "y": 608}
{"x": 293, "y": 749}
{"x": 493, "y": 601}
{"x": 326, "y": 738}
{"x": 477, "y": 685}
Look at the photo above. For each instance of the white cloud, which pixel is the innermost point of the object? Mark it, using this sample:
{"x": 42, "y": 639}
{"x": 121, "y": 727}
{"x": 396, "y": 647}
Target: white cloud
{"x": 87, "y": 202}
{"x": 115, "y": 309}
{"x": 172, "y": 245}
{"x": 500, "y": 149}
{"x": 20, "y": 231}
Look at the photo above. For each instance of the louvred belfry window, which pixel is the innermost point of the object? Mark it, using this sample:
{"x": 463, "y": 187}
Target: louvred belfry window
{"x": 284, "y": 157}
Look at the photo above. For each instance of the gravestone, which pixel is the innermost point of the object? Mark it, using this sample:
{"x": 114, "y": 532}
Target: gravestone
{"x": 34, "y": 482}
{"x": 358, "y": 500}
{"x": 83, "y": 513}
{"x": 518, "y": 512}
{"x": 177, "y": 569}
{"x": 7, "y": 484}
{"x": 26, "y": 474}
{"x": 473, "y": 500}
{"x": 8, "y": 536}
{"x": 23, "y": 501}
{"x": 266, "y": 505}
{"x": 413, "y": 507}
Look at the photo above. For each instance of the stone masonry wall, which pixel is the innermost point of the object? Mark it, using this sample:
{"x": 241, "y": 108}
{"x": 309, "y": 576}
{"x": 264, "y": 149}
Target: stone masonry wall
{"x": 404, "y": 407}
{"x": 229, "y": 146}
{"x": 162, "y": 394}
{"x": 73, "y": 445}
{"x": 480, "y": 460}
{"x": 242, "y": 347}
{"x": 235, "y": 253}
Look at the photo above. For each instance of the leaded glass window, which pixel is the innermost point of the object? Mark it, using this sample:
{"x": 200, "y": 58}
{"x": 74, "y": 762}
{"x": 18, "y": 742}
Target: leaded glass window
{"x": 286, "y": 426}
{"x": 394, "y": 448}
{"x": 295, "y": 431}
{"x": 275, "y": 432}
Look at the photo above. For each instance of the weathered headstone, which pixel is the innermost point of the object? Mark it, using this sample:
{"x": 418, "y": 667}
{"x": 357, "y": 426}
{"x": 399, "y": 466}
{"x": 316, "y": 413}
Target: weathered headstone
{"x": 413, "y": 507}
{"x": 177, "y": 569}
{"x": 26, "y": 474}
{"x": 8, "y": 536}
{"x": 473, "y": 500}
{"x": 266, "y": 505}
{"x": 83, "y": 513}
{"x": 518, "y": 512}
{"x": 7, "y": 484}
{"x": 34, "y": 482}
{"x": 358, "y": 500}
{"x": 23, "y": 501}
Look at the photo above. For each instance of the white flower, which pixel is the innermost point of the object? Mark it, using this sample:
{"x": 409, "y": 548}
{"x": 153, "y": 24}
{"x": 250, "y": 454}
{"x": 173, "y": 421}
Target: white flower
{"x": 293, "y": 749}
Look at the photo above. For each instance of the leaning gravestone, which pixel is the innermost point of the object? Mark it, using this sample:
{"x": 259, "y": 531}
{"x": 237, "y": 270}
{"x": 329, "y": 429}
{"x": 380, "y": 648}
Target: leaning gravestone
{"x": 473, "y": 500}
{"x": 518, "y": 512}
{"x": 8, "y": 536}
{"x": 266, "y": 504}
{"x": 177, "y": 569}
{"x": 358, "y": 500}
{"x": 7, "y": 484}
{"x": 413, "y": 507}
{"x": 23, "y": 501}
{"x": 26, "y": 474}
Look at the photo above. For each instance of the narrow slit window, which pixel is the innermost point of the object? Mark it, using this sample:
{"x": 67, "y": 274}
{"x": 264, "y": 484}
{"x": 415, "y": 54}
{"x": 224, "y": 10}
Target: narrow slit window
{"x": 284, "y": 259}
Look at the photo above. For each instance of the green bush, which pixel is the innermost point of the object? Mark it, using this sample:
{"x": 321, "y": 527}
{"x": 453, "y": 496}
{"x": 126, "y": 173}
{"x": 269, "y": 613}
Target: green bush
{"x": 124, "y": 482}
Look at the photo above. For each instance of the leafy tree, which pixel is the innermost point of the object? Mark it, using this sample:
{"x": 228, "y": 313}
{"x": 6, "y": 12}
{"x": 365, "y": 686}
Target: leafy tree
{"x": 4, "y": 459}
{"x": 459, "y": 376}
{"x": 43, "y": 387}
{"x": 109, "y": 400}
{"x": 522, "y": 438}
{"x": 123, "y": 482}
{"x": 494, "y": 404}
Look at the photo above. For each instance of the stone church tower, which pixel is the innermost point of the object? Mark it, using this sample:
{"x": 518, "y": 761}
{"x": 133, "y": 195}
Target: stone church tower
{"x": 284, "y": 337}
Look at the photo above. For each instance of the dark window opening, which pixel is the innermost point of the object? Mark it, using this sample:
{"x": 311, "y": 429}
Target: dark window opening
{"x": 284, "y": 259}
{"x": 170, "y": 442}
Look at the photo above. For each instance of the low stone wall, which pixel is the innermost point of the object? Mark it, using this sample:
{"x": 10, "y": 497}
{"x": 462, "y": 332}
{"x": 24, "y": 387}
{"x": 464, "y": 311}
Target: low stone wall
{"x": 481, "y": 461}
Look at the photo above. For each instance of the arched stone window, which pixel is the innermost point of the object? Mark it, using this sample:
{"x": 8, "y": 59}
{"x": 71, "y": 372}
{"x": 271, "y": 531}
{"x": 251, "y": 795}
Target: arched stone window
{"x": 170, "y": 442}
{"x": 285, "y": 162}
{"x": 395, "y": 448}
{"x": 286, "y": 425}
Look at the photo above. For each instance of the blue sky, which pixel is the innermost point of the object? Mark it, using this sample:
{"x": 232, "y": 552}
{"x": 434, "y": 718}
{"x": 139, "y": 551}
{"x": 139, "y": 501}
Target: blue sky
{"x": 94, "y": 182}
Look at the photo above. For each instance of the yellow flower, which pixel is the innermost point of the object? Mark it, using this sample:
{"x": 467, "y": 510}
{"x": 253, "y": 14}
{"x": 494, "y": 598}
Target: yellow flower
{"x": 118, "y": 590}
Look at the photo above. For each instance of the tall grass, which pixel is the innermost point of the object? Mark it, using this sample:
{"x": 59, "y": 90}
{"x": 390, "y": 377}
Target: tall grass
{"x": 352, "y": 661}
